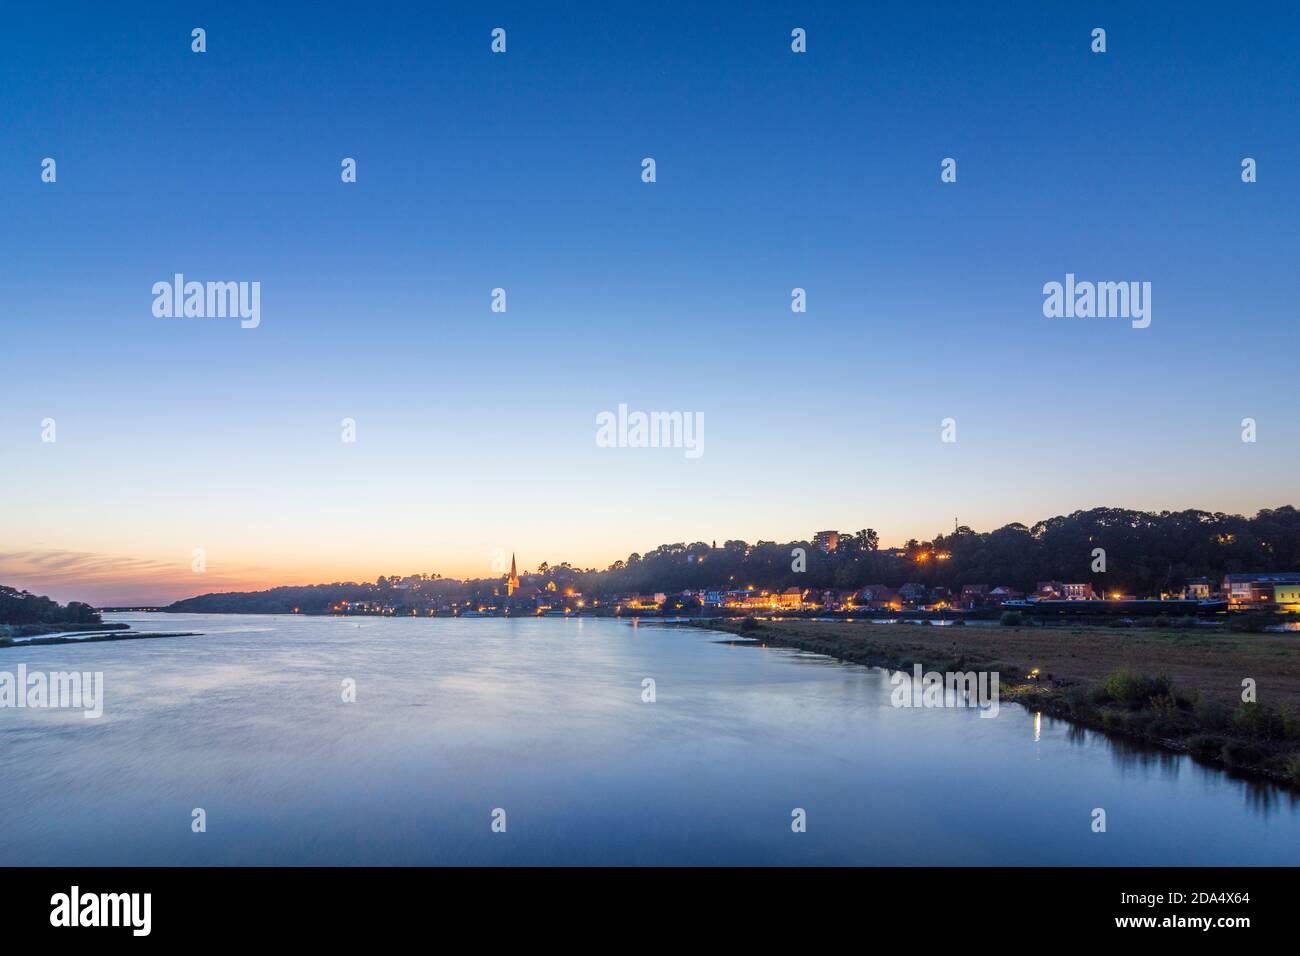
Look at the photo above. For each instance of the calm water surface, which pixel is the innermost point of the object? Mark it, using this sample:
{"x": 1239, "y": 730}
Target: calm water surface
{"x": 544, "y": 718}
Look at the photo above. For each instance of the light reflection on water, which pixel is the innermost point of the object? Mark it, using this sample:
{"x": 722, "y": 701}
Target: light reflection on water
{"x": 545, "y": 719}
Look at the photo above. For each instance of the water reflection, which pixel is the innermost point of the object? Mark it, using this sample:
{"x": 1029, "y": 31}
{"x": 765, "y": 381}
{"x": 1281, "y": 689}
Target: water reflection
{"x": 1261, "y": 795}
{"x": 1130, "y": 755}
{"x": 454, "y": 718}
{"x": 1265, "y": 798}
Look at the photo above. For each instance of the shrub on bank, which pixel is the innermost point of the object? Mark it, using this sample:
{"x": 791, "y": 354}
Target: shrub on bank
{"x": 1012, "y": 619}
{"x": 1235, "y": 753}
{"x": 1137, "y": 722}
{"x": 1293, "y": 767}
{"x": 1211, "y": 714}
{"x": 1134, "y": 690}
{"x": 1168, "y": 623}
{"x": 1081, "y": 700}
{"x": 1166, "y": 707}
{"x": 749, "y": 624}
{"x": 1252, "y": 622}
{"x": 1206, "y": 745}
{"x": 1261, "y": 721}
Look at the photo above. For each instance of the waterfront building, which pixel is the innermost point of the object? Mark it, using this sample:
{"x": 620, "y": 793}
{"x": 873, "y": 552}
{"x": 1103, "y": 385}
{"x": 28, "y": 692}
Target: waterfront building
{"x": 1287, "y": 597}
{"x": 877, "y": 596}
{"x": 791, "y": 599}
{"x": 828, "y": 541}
{"x": 1255, "y": 588}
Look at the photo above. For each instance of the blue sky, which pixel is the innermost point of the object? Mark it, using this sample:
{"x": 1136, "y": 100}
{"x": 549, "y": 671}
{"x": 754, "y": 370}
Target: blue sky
{"x": 522, "y": 171}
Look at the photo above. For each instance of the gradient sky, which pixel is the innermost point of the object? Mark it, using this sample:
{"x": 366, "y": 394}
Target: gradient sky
{"x": 476, "y": 430}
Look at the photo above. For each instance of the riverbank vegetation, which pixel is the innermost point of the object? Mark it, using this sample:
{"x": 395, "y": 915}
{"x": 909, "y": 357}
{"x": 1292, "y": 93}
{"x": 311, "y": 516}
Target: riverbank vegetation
{"x": 23, "y": 614}
{"x": 1180, "y": 689}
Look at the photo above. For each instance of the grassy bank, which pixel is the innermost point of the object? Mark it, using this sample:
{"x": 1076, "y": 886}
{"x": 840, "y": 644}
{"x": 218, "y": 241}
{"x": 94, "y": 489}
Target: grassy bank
{"x": 1176, "y": 689}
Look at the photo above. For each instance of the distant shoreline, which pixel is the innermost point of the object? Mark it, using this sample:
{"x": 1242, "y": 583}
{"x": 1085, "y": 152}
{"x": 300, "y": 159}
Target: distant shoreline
{"x": 92, "y": 637}
{"x": 57, "y": 627}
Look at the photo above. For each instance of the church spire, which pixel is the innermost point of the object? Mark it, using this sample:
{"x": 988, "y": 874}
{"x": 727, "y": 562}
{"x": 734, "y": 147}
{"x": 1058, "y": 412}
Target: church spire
{"x": 512, "y": 582}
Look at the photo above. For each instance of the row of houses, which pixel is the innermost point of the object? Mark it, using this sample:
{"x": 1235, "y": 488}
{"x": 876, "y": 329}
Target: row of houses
{"x": 1272, "y": 591}
{"x": 1247, "y": 590}
{"x": 879, "y": 597}
{"x": 1243, "y": 591}
{"x": 1263, "y": 590}
{"x": 1280, "y": 591}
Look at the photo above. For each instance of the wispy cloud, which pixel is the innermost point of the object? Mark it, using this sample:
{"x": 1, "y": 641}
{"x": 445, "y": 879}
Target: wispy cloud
{"x": 110, "y": 579}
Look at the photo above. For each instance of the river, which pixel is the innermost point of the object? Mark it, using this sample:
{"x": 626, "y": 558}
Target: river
{"x": 543, "y": 726}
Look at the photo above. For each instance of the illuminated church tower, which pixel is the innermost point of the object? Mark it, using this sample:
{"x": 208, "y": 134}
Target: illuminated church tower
{"x": 512, "y": 582}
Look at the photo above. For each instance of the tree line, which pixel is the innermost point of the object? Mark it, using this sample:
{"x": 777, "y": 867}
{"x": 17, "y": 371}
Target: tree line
{"x": 1144, "y": 553}
{"x": 1141, "y": 552}
{"x": 23, "y": 607}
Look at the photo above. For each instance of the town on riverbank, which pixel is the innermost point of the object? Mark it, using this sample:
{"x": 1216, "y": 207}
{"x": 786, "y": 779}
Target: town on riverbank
{"x": 1267, "y": 596}
{"x": 1105, "y": 563}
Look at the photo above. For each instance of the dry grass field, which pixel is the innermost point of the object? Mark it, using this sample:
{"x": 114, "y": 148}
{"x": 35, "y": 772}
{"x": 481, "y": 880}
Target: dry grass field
{"x": 1180, "y": 689}
{"x": 1213, "y": 662}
